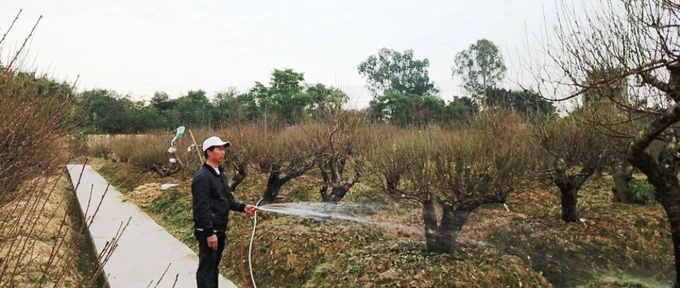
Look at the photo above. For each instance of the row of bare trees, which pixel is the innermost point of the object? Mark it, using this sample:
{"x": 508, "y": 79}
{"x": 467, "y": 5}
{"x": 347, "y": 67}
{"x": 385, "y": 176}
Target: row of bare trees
{"x": 455, "y": 170}
{"x": 332, "y": 145}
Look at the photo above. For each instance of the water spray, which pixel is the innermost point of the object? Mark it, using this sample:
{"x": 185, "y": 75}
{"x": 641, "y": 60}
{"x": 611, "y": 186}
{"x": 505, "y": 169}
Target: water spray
{"x": 316, "y": 211}
{"x": 310, "y": 210}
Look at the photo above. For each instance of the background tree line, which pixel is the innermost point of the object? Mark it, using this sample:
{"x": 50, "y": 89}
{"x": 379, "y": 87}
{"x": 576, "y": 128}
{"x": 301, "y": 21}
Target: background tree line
{"x": 403, "y": 95}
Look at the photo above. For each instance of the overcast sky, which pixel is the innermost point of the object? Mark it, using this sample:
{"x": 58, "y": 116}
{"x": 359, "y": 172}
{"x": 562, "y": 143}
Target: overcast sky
{"x": 140, "y": 47}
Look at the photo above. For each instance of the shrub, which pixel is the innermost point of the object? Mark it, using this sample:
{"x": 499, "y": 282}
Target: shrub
{"x": 38, "y": 245}
{"x": 123, "y": 146}
{"x": 457, "y": 171}
{"x": 149, "y": 151}
{"x": 642, "y": 191}
{"x": 100, "y": 149}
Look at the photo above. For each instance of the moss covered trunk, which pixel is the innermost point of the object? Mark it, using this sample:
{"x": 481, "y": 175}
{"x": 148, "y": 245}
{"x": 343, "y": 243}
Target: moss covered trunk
{"x": 668, "y": 192}
{"x": 662, "y": 172}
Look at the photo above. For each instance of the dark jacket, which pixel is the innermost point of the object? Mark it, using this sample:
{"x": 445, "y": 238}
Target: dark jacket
{"x": 212, "y": 200}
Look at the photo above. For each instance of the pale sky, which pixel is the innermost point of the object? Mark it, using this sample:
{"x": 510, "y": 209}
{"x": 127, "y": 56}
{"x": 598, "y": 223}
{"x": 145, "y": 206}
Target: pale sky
{"x": 139, "y": 47}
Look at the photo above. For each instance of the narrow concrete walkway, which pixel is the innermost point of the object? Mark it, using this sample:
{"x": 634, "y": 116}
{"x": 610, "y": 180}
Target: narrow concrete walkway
{"x": 144, "y": 250}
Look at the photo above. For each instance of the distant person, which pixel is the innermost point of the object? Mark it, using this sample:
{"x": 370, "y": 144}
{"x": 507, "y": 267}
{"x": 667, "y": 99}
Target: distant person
{"x": 212, "y": 202}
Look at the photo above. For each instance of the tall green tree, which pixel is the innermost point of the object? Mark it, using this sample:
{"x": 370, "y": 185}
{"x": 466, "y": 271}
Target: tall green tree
{"x": 480, "y": 66}
{"x": 194, "y": 108}
{"x": 226, "y": 108}
{"x": 392, "y": 71}
{"x": 461, "y": 108}
{"x": 392, "y": 107}
{"x": 105, "y": 112}
{"x": 253, "y": 109}
{"x": 108, "y": 112}
{"x": 326, "y": 101}
{"x": 284, "y": 97}
{"x": 407, "y": 109}
{"x": 161, "y": 101}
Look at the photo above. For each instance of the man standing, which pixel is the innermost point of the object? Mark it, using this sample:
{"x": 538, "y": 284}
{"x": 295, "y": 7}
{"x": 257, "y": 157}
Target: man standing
{"x": 212, "y": 202}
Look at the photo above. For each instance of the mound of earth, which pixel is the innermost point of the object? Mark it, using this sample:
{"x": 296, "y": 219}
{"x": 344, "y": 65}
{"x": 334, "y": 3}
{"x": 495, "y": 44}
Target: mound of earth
{"x": 144, "y": 194}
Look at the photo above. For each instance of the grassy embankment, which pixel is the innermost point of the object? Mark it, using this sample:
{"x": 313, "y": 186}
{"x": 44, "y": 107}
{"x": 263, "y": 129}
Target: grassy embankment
{"x": 618, "y": 245}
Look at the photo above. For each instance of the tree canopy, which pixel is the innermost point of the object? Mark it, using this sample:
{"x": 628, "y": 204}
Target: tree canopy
{"x": 392, "y": 71}
{"x": 480, "y": 66}
{"x": 286, "y": 100}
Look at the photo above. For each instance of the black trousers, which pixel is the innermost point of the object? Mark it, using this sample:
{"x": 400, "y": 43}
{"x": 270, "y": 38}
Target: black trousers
{"x": 208, "y": 260}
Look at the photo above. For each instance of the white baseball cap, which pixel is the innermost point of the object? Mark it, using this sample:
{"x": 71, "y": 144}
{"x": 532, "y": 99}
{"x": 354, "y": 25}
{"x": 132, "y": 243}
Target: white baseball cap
{"x": 214, "y": 141}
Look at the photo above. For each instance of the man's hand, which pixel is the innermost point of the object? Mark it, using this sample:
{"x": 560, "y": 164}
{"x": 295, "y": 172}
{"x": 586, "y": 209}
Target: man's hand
{"x": 212, "y": 241}
{"x": 250, "y": 210}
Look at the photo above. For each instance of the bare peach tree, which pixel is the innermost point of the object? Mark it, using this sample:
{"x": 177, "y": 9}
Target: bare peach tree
{"x": 455, "y": 171}
{"x": 637, "y": 42}
{"x": 602, "y": 117}
{"x": 572, "y": 152}
{"x": 243, "y": 137}
{"x": 285, "y": 155}
{"x": 342, "y": 137}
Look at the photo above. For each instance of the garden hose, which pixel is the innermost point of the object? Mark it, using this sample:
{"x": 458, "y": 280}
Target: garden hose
{"x": 250, "y": 248}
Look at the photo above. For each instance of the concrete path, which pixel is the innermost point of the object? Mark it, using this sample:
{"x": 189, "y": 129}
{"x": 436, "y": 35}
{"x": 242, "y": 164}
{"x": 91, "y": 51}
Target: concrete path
{"x": 144, "y": 250}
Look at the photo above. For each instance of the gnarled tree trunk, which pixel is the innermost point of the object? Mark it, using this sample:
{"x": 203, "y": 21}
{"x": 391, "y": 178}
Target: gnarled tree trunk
{"x": 337, "y": 193}
{"x": 274, "y": 183}
{"x": 569, "y": 199}
{"x": 569, "y": 186}
{"x": 277, "y": 179}
{"x": 441, "y": 238}
{"x": 239, "y": 176}
{"x": 392, "y": 182}
{"x": 663, "y": 174}
{"x": 331, "y": 172}
{"x": 331, "y": 200}
{"x": 668, "y": 193}
{"x": 671, "y": 204}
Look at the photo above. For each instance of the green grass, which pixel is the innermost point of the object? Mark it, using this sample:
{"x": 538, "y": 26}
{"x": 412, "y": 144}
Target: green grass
{"x": 643, "y": 190}
{"x": 123, "y": 176}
